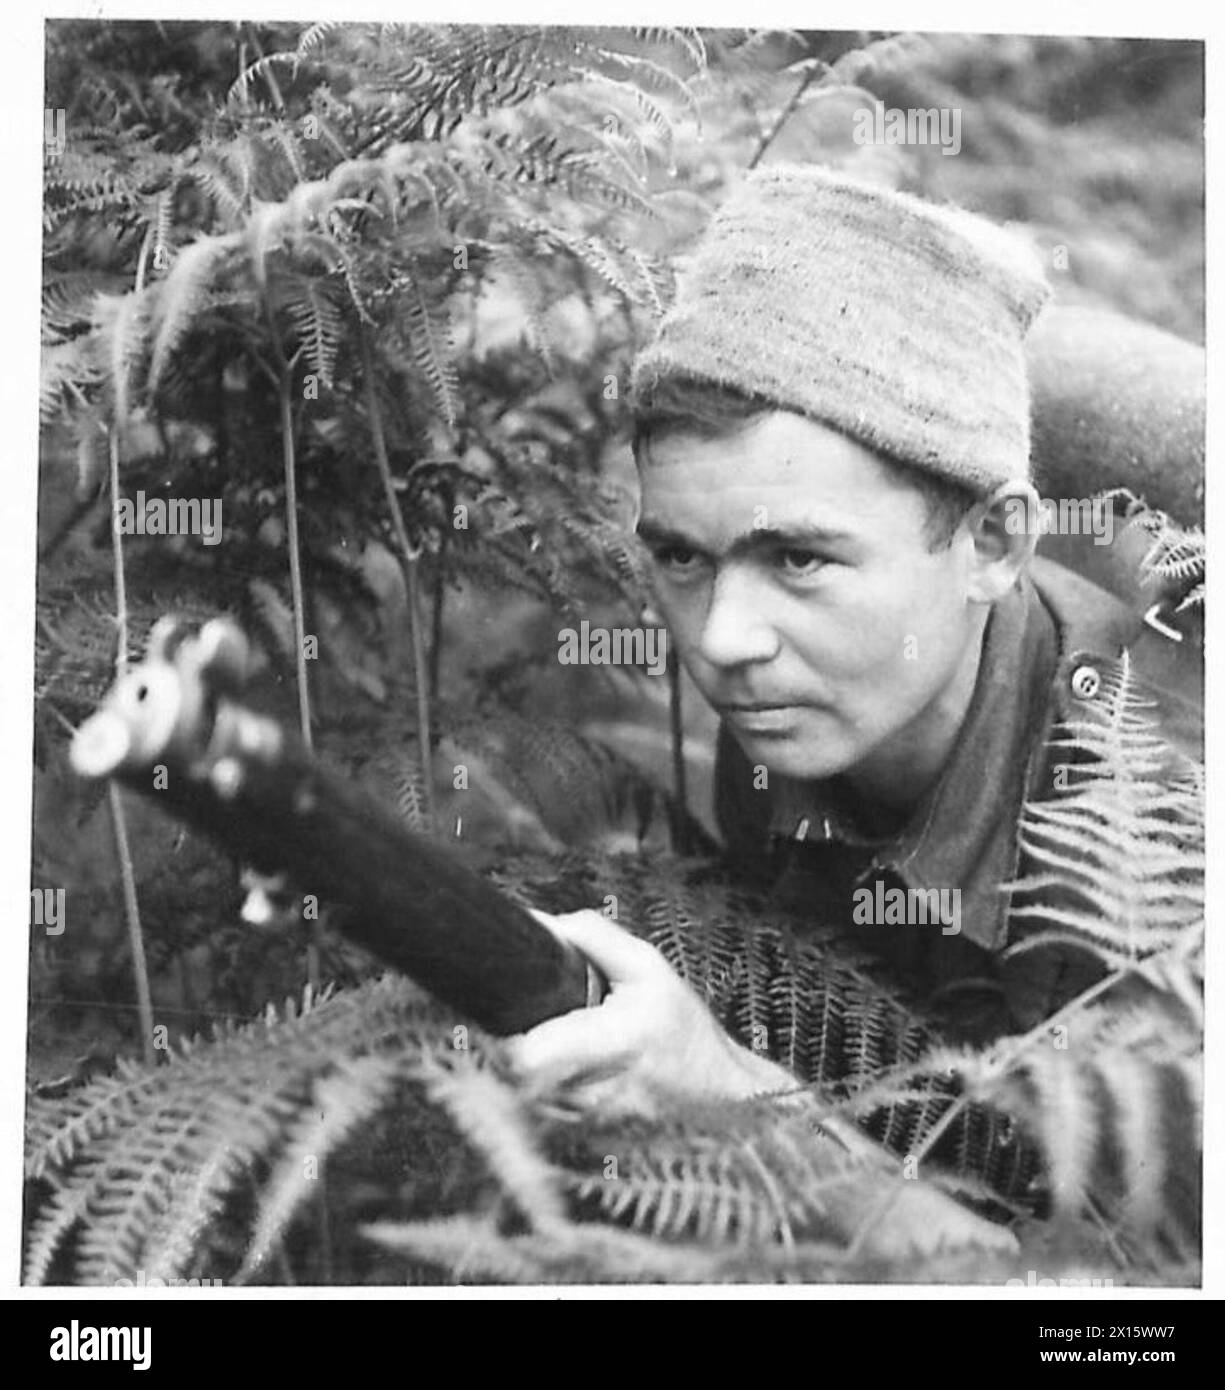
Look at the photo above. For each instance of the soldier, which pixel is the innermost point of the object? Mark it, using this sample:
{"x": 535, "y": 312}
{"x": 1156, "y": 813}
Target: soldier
{"x": 832, "y": 439}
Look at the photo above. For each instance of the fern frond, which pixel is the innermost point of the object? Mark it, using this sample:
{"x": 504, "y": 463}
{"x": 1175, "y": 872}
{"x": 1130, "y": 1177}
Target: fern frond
{"x": 240, "y": 89}
{"x": 657, "y": 279}
{"x": 543, "y": 163}
{"x": 814, "y": 1005}
{"x": 240, "y": 159}
{"x": 594, "y": 253}
{"x": 410, "y": 792}
{"x": 134, "y": 1193}
{"x": 1176, "y": 554}
{"x": 326, "y": 109}
{"x": 276, "y": 615}
{"x": 215, "y": 179}
{"x": 183, "y": 296}
{"x": 528, "y": 291}
{"x": 68, "y": 298}
{"x": 429, "y": 338}
{"x": 690, "y": 41}
{"x": 55, "y": 1135}
{"x": 85, "y": 182}
{"x": 756, "y": 1174}
{"x": 195, "y": 1203}
{"x": 66, "y": 371}
{"x": 286, "y": 140}
{"x": 314, "y": 35}
{"x": 475, "y": 1248}
{"x": 492, "y": 1116}
{"x": 1117, "y": 859}
{"x": 65, "y": 1209}
{"x": 645, "y": 72}
{"x": 657, "y": 119}
{"x": 1118, "y": 1115}
{"x": 694, "y": 937}
{"x": 120, "y": 325}
{"x": 340, "y": 1101}
{"x": 318, "y": 322}
{"x": 617, "y": 550}
{"x": 155, "y": 1150}
{"x": 1062, "y": 1088}
{"x": 710, "y": 1192}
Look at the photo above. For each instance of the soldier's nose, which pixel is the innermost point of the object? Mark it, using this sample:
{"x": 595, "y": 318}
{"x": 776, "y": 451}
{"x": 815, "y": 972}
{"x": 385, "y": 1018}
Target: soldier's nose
{"x": 736, "y": 630}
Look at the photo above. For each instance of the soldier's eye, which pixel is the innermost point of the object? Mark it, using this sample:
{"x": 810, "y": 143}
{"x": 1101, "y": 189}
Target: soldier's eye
{"x": 677, "y": 558}
{"x": 797, "y": 563}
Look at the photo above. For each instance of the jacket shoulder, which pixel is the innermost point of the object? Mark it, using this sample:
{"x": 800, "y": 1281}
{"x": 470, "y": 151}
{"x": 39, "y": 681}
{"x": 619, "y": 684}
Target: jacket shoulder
{"x": 1104, "y": 643}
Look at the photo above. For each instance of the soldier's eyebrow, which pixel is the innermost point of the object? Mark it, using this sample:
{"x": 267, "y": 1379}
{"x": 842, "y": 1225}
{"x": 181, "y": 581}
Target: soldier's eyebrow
{"x": 652, "y": 533}
{"x": 798, "y": 537}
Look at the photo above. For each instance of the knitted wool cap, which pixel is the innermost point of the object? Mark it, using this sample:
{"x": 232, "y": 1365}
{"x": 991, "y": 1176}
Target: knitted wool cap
{"x": 895, "y": 321}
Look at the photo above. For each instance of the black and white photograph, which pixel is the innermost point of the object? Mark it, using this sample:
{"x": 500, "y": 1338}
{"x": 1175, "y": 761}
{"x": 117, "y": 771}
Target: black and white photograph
{"x": 618, "y": 661}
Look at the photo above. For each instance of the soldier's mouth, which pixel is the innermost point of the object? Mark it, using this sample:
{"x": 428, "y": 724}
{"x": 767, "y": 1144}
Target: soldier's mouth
{"x": 761, "y": 718}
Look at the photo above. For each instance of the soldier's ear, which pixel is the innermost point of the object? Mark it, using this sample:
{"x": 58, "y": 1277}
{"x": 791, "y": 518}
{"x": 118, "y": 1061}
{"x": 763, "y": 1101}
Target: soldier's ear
{"x": 1004, "y": 529}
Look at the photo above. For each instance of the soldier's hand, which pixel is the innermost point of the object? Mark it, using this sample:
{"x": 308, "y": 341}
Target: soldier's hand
{"x": 651, "y": 1041}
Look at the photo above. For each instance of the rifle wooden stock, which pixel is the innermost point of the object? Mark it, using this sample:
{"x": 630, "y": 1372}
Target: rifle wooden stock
{"x": 240, "y": 779}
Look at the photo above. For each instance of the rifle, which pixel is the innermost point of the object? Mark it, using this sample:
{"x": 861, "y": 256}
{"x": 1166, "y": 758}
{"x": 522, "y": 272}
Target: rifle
{"x": 174, "y": 728}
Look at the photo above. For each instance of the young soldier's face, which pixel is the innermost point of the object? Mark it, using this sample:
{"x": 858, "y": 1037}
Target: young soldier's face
{"x": 794, "y": 574}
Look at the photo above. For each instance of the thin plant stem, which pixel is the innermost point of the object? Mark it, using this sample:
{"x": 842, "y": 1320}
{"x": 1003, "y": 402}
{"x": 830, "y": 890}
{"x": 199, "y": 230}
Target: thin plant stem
{"x": 783, "y": 117}
{"x": 284, "y": 388}
{"x": 440, "y": 598}
{"x": 408, "y": 564}
{"x": 289, "y": 454}
{"x": 123, "y": 848}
